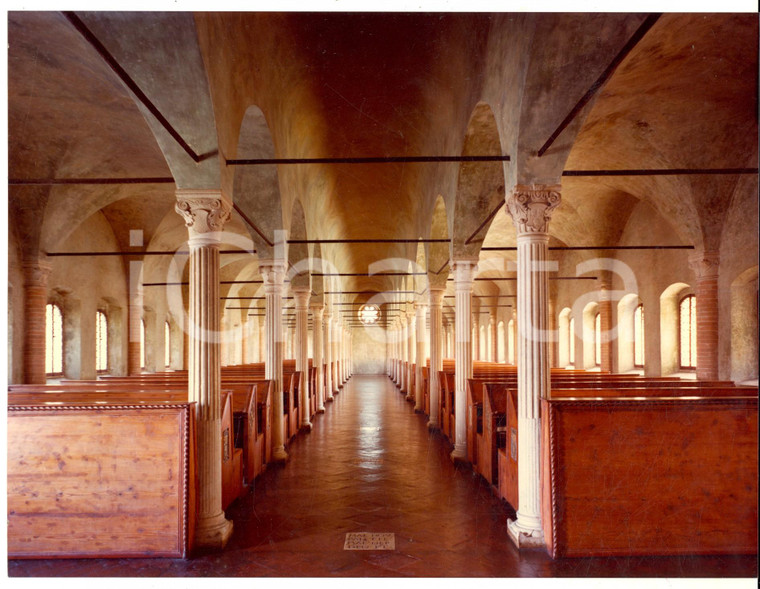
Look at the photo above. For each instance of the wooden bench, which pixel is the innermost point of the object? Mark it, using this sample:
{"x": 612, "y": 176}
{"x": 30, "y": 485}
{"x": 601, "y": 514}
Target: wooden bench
{"x": 101, "y": 481}
{"x": 651, "y": 477}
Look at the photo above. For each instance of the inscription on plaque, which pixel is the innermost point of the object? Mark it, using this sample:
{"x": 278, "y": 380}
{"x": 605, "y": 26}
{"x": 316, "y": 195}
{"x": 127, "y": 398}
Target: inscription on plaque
{"x": 370, "y": 541}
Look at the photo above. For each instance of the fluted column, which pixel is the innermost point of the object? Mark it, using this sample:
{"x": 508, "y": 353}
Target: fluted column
{"x": 336, "y": 354}
{"x": 36, "y": 273}
{"x": 475, "y": 328}
{"x": 419, "y": 391}
{"x": 494, "y": 338}
{"x": 436, "y": 355}
{"x": 706, "y": 266}
{"x": 464, "y": 273}
{"x": 273, "y": 273}
{"x": 317, "y": 312}
{"x": 328, "y": 355}
{"x": 301, "y": 296}
{"x": 531, "y": 208}
{"x": 605, "y": 327}
{"x": 205, "y": 213}
{"x": 412, "y": 354}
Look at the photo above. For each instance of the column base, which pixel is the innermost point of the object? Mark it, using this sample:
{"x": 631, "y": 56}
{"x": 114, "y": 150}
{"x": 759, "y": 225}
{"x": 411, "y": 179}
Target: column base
{"x": 321, "y": 410}
{"x": 433, "y": 427}
{"x": 329, "y": 400}
{"x": 213, "y": 532}
{"x": 410, "y": 398}
{"x": 336, "y": 391}
{"x": 305, "y": 428}
{"x": 279, "y": 454}
{"x": 419, "y": 410}
{"x": 525, "y": 539}
{"x": 459, "y": 458}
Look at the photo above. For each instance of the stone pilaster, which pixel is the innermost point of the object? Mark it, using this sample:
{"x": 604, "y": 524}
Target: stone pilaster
{"x": 301, "y": 296}
{"x": 273, "y": 273}
{"x": 436, "y": 355}
{"x": 328, "y": 355}
{"x": 531, "y": 208}
{"x": 412, "y": 351}
{"x": 317, "y": 313}
{"x": 36, "y": 273}
{"x": 706, "y": 266}
{"x": 205, "y": 213}
{"x": 464, "y": 274}
{"x": 419, "y": 390}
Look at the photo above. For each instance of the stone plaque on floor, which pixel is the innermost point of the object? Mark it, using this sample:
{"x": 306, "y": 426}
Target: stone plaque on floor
{"x": 370, "y": 541}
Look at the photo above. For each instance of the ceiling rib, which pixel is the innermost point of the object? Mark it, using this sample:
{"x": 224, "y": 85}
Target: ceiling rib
{"x": 644, "y": 27}
{"x": 132, "y": 85}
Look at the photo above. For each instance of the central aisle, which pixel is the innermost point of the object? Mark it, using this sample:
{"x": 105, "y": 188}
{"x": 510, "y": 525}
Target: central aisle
{"x": 370, "y": 465}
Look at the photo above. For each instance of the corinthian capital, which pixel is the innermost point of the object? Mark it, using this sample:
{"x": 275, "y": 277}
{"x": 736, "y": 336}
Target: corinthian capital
{"x": 204, "y": 211}
{"x": 531, "y": 206}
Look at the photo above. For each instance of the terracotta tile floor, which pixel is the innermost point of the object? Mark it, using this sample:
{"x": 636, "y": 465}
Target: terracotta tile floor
{"x": 370, "y": 465}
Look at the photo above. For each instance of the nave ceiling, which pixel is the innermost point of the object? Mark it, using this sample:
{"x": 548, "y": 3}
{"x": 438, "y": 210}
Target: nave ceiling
{"x": 291, "y": 85}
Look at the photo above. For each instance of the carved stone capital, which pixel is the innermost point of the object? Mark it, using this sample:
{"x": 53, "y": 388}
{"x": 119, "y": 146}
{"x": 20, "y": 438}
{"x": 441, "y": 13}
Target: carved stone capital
{"x": 36, "y": 272}
{"x": 301, "y": 296}
{"x": 436, "y": 297}
{"x": 204, "y": 211}
{"x": 464, "y": 272}
{"x": 531, "y": 207}
{"x": 317, "y": 311}
{"x": 705, "y": 264}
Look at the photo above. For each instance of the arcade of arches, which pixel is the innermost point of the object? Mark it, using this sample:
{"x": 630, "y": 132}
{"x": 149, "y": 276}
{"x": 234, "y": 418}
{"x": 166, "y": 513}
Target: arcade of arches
{"x": 591, "y": 178}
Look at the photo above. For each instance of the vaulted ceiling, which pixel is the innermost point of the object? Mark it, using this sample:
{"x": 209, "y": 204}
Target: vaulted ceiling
{"x": 156, "y": 101}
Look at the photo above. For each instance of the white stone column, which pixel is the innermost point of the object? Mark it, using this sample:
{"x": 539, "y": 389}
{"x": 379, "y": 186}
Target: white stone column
{"x": 464, "y": 273}
{"x": 419, "y": 391}
{"x": 301, "y": 296}
{"x": 328, "y": 355}
{"x": 412, "y": 353}
{"x": 494, "y": 338}
{"x": 205, "y": 213}
{"x": 436, "y": 355}
{"x": 317, "y": 312}
{"x": 404, "y": 350}
{"x": 476, "y": 340}
{"x": 273, "y": 273}
{"x": 531, "y": 208}
{"x": 336, "y": 353}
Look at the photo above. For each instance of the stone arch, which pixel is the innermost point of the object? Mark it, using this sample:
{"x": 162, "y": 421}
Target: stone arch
{"x": 256, "y": 189}
{"x": 480, "y": 185}
{"x": 590, "y": 312}
{"x": 564, "y": 337}
{"x": 626, "y": 309}
{"x": 669, "y": 328}
{"x": 438, "y": 254}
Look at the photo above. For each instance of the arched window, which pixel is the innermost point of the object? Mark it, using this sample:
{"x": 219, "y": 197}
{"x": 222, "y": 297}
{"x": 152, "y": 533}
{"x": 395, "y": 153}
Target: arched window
{"x": 101, "y": 342}
{"x": 571, "y": 341}
{"x": 53, "y": 339}
{"x": 167, "y": 345}
{"x": 142, "y": 343}
{"x": 687, "y": 339}
{"x": 638, "y": 337}
{"x": 598, "y": 339}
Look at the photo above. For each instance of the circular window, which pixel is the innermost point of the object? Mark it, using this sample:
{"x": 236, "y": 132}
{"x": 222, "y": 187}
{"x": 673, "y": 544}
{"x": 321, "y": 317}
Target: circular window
{"x": 369, "y": 314}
